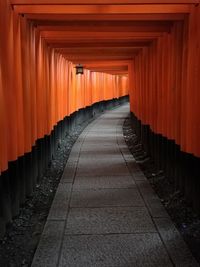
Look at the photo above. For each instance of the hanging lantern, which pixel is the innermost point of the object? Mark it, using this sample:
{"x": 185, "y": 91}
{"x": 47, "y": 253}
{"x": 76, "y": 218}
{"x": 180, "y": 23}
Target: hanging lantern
{"x": 79, "y": 69}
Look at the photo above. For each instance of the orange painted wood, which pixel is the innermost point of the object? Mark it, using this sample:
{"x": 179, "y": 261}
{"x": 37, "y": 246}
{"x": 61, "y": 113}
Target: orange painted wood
{"x": 50, "y": 2}
{"x": 102, "y": 9}
{"x": 155, "y": 42}
{"x": 169, "y": 101}
{"x": 40, "y": 18}
{"x": 101, "y": 35}
{"x": 116, "y": 27}
{"x": 39, "y": 87}
{"x": 90, "y": 45}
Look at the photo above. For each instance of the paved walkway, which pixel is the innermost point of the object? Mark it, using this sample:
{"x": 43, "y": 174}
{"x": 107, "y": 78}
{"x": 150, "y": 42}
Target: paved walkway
{"x": 105, "y": 213}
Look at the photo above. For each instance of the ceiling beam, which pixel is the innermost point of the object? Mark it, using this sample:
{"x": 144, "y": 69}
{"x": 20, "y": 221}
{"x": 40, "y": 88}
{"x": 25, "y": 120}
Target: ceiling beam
{"x": 100, "y": 2}
{"x": 83, "y": 58}
{"x": 99, "y": 35}
{"x": 98, "y": 50}
{"x": 105, "y": 53}
{"x": 109, "y": 68}
{"x": 41, "y": 18}
{"x": 51, "y": 41}
{"x": 103, "y": 9}
{"x": 105, "y": 23}
{"x": 120, "y": 73}
{"x": 112, "y": 67}
{"x": 103, "y": 35}
{"x": 108, "y": 63}
{"x": 112, "y": 45}
{"x": 154, "y": 28}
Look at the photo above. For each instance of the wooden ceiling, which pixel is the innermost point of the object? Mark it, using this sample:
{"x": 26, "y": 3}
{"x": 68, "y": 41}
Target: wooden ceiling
{"x": 103, "y": 35}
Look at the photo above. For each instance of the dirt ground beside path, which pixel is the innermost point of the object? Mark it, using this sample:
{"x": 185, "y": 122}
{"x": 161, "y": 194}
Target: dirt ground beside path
{"x": 186, "y": 221}
{"x": 18, "y": 246}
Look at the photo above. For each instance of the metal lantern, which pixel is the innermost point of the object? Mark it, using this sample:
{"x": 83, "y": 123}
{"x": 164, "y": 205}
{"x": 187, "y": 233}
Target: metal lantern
{"x": 79, "y": 69}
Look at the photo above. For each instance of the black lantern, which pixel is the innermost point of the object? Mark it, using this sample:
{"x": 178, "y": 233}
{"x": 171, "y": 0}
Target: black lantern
{"x": 79, "y": 69}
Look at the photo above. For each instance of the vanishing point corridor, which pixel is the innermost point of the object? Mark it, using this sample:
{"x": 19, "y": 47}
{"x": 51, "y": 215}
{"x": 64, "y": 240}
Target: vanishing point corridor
{"x": 105, "y": 213}
{"x": 89, "y": 73}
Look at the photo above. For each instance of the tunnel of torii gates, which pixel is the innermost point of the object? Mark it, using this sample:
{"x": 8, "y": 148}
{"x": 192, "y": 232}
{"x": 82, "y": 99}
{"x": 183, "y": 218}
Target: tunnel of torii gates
{"x": 149, "y": 49}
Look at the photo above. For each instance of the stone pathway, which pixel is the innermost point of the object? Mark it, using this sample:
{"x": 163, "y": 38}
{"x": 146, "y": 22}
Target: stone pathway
{"x": 105, "y": 213}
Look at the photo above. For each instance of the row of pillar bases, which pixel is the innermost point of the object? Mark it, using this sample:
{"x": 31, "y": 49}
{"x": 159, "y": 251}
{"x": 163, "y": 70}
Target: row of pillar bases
{"x": 22, "y": 176}
{"x": 182, "y": 169}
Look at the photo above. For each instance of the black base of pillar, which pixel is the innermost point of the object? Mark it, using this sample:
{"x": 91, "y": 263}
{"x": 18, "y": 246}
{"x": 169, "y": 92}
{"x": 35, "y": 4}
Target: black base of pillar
{"x": 182, "y": 169}
{"x": 19, "y": 181}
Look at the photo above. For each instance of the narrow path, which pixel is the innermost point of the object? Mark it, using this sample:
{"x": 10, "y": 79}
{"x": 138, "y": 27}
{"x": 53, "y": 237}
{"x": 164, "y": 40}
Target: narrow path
{"x": 105, "y": 213}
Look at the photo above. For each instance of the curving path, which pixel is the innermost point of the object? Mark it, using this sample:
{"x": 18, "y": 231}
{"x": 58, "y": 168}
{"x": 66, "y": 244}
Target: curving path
{"x": 105, "y": 213}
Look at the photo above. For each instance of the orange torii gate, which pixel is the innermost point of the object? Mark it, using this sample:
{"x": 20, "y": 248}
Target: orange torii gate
{"x": 147, "y": 48}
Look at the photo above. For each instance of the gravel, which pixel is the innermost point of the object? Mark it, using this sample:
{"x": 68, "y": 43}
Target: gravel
{"x": 185, "y": 219}
{"x": 18, "y": 246}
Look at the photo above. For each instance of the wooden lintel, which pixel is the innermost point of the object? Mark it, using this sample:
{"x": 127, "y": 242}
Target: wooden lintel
{"x": 101, "y": 2}
{"x": 147, "y": 28}
{"x": 41, "y": 18}
{"x": 103, "y": 9}
{"x": 101, "y": 57}
{"x": 101, "y": 35}
{"x": 100, "y": 45}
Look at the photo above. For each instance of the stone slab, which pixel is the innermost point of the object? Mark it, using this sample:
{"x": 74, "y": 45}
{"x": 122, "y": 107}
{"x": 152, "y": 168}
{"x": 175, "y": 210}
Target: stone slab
{"x": 92, "y": 160}
{"x": 47, "y": 253}
{"x": 106, "y": 154}
{"x": 139, "y": 250}
{"x": 104, "y": 169}
{"x": 178, "y": 250}
{"x": 109, "y": 220}
{"x": 102, "y": 135}
{"x": 69, "y": 172}
{"x": 98, "y": 147}
{"x": 106, "y": 198}
{"x": 106, "y": 138}
{"x": 59, "y": 207}
{"x": 103, "y": 131}
{"x": 103, "y": 182}
{"x": 152, "y": 200}
{"x": 101, "y": 160}
{"x": 139, "y": 176}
